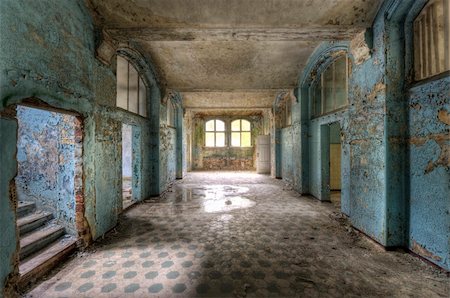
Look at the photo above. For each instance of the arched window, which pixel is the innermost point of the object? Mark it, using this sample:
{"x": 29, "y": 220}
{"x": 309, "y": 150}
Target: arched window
{"x": 431, "y": 40}
{"x": 171, "y": 114}
{"x": 241, "y": 133}
{"x": 215, "y": 133}
{"x": 131, "y": 90}
{"x": 330, "y": 91}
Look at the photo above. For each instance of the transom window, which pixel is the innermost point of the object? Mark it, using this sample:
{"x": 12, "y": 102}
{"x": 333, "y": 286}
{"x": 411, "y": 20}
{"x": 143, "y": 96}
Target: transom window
{"x": 215, "y": 133}
{"x": 171, "y": 114}
{"x": 285, "y": 111}
{"x": 431, "y": 40}
{"x": 131, "y": 90}
{"x": 241, "y": 133}
{"x": 331, "y": 91}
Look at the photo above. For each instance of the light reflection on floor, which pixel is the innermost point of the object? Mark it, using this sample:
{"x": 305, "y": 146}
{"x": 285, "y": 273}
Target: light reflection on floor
{"x": 226, "y": 204}
{"x": 274, "y": 243}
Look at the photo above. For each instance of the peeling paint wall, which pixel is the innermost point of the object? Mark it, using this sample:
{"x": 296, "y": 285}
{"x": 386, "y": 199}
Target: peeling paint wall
{"x": 47, "y": 57}
{"x": 429, "y": 173}
{"x": 395, "y": 146}
{"x": 429, "y": 150}
{"x": 9, "y": 243}
{"x": 428, "y": 153}
{"x": 170, "y": 146}
{"x": 46, "y": 157}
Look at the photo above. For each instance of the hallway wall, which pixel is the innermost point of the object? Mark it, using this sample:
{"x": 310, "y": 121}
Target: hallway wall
{"x": 429, "y": 172}
{"x": 395, "y": 143}
{"x": 46, "y": 156}
{"x": 47, "y": 57}
{"x": 286, "y": 149}
{"x": 227, "y": 157}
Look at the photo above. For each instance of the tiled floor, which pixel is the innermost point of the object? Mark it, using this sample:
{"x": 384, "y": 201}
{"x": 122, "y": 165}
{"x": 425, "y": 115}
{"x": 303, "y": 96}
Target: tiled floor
{"x": 239, "y": 235}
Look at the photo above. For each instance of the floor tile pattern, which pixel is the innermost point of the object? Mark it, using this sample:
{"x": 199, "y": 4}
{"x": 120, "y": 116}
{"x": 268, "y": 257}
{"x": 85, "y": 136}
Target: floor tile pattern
{"x": 238, "y": 235}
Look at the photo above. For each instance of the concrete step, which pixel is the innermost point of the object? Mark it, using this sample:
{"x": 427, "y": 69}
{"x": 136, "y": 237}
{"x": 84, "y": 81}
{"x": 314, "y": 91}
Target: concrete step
{"x": 43, "y": 261}
{"x": 38, "y": 239}
{"x": 33, "y": 221}
{"x": 24, "y": 208}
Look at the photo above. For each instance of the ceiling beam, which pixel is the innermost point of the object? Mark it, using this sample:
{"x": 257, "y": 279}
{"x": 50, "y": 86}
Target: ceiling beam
{"x": 313, "y": 34}
{"x": 249, "y": 99}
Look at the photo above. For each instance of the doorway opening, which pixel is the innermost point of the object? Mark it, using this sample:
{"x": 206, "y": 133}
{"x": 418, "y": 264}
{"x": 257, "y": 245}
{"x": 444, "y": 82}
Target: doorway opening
{"x": 49, "y": 187}
{"x": 127, "y": 165}
{"x": 335, "y": 163}
{"x": 130, "y": 165}
{"x": 330, "y": 157}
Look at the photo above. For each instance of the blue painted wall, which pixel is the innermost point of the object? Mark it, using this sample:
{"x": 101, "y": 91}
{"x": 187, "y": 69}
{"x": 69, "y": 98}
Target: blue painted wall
{"x": 429, "y": 174}
{"x": 47, "y": 57}
{"x": 46, "y": 157}
{"x": 170, "y": 145}
{"x": 9, "y": 243}
{"x": 319, "y": 158}
{"x": 395, "y": 168}
{"x": 287, "y": 146}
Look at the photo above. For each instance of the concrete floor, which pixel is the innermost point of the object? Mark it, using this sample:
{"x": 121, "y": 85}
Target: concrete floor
{"x": 239, "y": 235}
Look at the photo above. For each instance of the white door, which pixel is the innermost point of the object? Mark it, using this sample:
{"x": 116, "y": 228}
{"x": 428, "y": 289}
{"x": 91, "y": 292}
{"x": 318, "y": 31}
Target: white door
{"x": 263, "y": 154}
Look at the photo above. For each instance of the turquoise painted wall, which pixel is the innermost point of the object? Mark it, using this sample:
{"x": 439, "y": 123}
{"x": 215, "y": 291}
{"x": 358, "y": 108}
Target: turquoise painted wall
{"x": 395, "y": 140}
{"x": 46, "y": 156}
{"x": 47, "y": 57}
{"x": 429, "y": 174}
{"x": 9, "y": 243}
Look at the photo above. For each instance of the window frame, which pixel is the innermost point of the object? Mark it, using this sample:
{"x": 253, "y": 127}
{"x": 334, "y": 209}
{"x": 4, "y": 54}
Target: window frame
{"x": 240, "y": 131}
{"x": 141, "y": 89}
{"x": 429, "y": 43}
{"x": 215, "y": 131}
{"x": 317, "y": 89}
{"x": 171, "y": 114}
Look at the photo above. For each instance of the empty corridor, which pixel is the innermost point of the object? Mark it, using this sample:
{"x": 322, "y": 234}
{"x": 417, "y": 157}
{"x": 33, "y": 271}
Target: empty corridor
{"x": 238, "y": 235}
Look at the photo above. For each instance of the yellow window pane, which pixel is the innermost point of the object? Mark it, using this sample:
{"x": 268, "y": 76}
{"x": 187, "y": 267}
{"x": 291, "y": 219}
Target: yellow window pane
{"x": 220, "y": 139}
{"x": 122, "y": 83}
{"x": 245, "y": 125}
{"x": 209, "y": 139}
{"x": 209, "y": 125}
{"x": 133, "y": 79}
{"x": 236, "y": 139}
{"x": 236, "y": 125}
{"x": 220, "y": 125}
{"x": 246, "y": 139}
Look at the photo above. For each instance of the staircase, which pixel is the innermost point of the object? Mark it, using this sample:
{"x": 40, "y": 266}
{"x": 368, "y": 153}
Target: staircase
{"x": 43, "y": 243}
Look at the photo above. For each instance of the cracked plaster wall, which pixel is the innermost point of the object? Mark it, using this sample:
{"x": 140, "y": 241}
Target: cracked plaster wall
{"x": 47, "y": 52}
{"x": 429, "y": 174}
{"x": 46, "y": 157}
{"x": 224, "y": 158}
{"x": 395, "y": 143}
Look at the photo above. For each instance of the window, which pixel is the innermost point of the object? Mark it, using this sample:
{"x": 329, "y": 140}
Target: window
{"x": 330, "y": 91}
{"x": 171, "y": 114}
{"x": 215, "y": 133}
{"x": 131, "y": 90}
{"x": 431, "y": 40}
{"x": 241, "y": 133}
{"x": 285, "y": 112}
{"x": 287, "y": 116}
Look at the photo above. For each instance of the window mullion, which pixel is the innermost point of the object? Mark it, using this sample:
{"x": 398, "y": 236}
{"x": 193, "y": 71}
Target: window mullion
{"x": 128, "y": 85}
